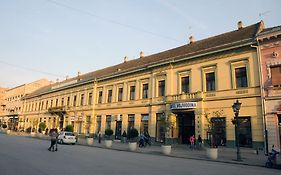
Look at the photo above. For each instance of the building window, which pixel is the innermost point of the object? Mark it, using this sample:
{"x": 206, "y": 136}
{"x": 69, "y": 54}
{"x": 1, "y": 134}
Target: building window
{"x": 82, "y": 100}
{"x": 100, "y": 97}
{"x": 276, "y": 75}
{"x": 210, "y": 81}
{"x": 241, "y": 77}
{"x": 144, "y": 123}
{"x": 145, "y": 91}
{"x": 42, "y": 107}
{"x": 131, "y": 122}
{"x": 219, "y": 131}
{"x": 132, "y": 92}
{"x": 185, "y": 84}
{"x": 160, "y": 132}
{"x": 98, "y": 128}
{"x": 161, "y": 88}
{"x": 57, "y": 102}
{"x": 120, "y": 94}
{"x": 47, "y": 103}
{"x": 74, "y": 100}
{"x": 109, "y": 96}
{"x": 68, "y": 101}
{"x": 62, "y": 101}
{"x": 88, "y": 125}
{"x": 90, "y": 100}
{"x": 108, "y": 121}
{"x": 245, "y": 132}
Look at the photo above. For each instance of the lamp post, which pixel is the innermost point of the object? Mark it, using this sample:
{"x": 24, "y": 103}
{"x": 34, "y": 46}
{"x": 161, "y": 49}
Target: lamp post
{"x": 236, "y": 108}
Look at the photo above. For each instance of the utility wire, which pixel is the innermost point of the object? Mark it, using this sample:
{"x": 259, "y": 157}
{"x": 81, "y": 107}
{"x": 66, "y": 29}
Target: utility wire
{"x": 31, "y": 69}
{"x": 111, "y": 20}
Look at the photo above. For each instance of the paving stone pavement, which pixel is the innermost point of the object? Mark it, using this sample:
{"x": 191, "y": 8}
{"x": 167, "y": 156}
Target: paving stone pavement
{"x": 226, "y": 155}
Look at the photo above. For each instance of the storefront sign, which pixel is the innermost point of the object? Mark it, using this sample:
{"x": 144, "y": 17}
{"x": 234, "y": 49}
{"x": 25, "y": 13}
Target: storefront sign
{"x": 184, "y": 105}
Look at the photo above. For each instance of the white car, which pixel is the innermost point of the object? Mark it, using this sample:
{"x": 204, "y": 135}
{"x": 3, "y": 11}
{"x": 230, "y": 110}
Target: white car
{"x": 67, "y": 137}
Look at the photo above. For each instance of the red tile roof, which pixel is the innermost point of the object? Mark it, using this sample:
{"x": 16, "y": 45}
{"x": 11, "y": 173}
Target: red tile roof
{"x": 215, "y": 43}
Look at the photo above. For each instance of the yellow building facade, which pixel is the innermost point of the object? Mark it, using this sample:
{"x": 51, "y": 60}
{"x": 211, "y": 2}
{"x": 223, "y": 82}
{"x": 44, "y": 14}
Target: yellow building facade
{"x": 199, "y": 79}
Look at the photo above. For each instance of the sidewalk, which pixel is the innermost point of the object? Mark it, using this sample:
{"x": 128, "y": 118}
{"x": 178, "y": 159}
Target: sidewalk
{"x": 226, "y": 155}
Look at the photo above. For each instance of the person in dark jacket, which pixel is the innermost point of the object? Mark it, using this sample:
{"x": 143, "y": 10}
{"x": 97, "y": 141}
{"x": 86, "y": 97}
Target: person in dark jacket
{"x": 53, "y": 134}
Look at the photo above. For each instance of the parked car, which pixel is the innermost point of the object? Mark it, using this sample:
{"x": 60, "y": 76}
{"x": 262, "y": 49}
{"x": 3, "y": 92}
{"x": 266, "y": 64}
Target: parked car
{"x": 67, "y": 137}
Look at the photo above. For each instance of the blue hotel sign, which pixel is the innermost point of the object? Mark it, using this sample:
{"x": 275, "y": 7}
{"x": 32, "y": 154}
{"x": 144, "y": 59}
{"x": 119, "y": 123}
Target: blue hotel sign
{"x": 184, "y": 105}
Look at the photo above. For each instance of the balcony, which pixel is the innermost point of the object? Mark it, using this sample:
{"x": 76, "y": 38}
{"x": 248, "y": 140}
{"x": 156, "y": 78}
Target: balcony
{"x": 185, "y": 96}
{"x": 61, "y": 110}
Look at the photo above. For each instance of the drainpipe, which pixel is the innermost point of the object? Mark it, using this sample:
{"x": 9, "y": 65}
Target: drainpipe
{"x": 265, "y": 135}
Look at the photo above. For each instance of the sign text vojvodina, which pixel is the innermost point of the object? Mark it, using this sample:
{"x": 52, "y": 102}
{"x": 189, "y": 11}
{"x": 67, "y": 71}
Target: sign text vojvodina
{"x": 184, "y": 105}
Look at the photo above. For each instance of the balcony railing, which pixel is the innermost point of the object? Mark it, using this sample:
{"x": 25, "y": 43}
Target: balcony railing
{"x": 185, "y": 96}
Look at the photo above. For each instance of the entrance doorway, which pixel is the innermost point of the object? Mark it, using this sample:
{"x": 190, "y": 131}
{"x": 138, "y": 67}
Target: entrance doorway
{"x": 186, "y": 125}
{"x": 118, "y": 130}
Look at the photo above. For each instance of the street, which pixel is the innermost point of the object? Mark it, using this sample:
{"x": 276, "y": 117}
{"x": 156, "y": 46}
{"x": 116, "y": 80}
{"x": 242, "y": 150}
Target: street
{"x": 28, "y": 156}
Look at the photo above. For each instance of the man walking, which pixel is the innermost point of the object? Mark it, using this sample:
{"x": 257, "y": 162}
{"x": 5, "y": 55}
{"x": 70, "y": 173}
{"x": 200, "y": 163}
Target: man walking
{"x": 53, "y": 135}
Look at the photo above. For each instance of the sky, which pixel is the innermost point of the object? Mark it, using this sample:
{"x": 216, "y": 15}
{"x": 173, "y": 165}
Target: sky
{"x": 53, "y": 39}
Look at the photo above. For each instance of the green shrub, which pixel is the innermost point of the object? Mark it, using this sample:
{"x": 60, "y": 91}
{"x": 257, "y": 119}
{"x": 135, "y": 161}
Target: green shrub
{"x": 42, "y": 126}
{"x": 108, "y": 133}
{"x": 133, "y": 134}
{"x": 28, "y": 130}
{"x": 4, "y": 126}
{"x": 69, "y": 128}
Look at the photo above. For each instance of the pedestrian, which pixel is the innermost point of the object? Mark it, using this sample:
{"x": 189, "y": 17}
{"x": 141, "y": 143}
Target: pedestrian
{"x": 99, "y": 136}
{"x": 192, "y": 140}
{"x": 199, "y": 141}
{"x": 56, "y": 131}
{"x": 124, "y": 137}
{"x": 53, "y": 136}
{"x": 147, "y": 138}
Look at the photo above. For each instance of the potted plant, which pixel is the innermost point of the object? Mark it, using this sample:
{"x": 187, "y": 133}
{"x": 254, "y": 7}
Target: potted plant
{"x": 42, "y": 127}
{"x": 90, "y": 139}
{"x": 69, "y": 128}
{"x": 133, "y": 134}
{"x": 212, "y": 146}
{"x": 168, "y": 123}
{"x": 4, "y": 126}
{"x": 108, "y": 137}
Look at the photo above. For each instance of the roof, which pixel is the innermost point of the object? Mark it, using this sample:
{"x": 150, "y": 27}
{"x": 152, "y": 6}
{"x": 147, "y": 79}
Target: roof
{"x": 215, "y": 43}
{"x": 269, "y": 31}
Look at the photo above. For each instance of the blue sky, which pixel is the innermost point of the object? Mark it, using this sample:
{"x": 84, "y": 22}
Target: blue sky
{"x": 55, "y": 38}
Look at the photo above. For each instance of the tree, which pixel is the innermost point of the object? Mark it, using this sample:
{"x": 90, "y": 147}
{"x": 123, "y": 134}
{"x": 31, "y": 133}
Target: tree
{"x": 169, "y": 121}
{"x": 42, "y": 126}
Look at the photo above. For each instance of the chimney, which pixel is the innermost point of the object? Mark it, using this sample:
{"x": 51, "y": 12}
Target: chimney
{"x": 239, "y": 25}
{"x": 125, "y": 59}
{"x": 78, "y": 74}
{"x": 67, "y": 77}
{"x": 141, "y": 54}
{"x": 191, "y": 39}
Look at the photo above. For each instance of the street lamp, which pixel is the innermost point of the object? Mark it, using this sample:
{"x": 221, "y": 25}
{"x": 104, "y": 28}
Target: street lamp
{"x": 236, "y": 108}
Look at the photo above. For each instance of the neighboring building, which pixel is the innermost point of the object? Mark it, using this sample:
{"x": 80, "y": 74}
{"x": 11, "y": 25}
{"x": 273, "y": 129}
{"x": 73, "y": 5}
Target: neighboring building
{"x": 186, "y": 82}
{"x": 12, "y": 105}
{"x": 2, "y": 103}
{"x": 270, "y": 54}
{"x": 61, "y": 104}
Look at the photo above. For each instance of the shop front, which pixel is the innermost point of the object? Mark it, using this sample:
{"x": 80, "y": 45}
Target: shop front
{"x": 185, "y": 120}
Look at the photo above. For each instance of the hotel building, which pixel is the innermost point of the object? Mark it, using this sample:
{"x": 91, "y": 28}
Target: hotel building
{"x": 188, "y": 82}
